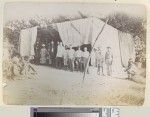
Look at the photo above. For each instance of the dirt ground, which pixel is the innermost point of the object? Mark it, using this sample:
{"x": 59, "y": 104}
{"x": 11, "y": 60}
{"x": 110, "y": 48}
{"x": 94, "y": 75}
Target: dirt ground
{"x": 53, "y": 88}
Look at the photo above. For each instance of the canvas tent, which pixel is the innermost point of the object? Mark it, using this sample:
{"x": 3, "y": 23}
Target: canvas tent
{"x": 76, "y": 33}
{"x": 27, "y": 40}
{"x": 85, "y": 31}
{"x": 29, "y": 36}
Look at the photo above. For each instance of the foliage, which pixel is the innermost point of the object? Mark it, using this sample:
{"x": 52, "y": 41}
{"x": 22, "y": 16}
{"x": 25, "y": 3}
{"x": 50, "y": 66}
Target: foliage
{"x": 130, "y": 24}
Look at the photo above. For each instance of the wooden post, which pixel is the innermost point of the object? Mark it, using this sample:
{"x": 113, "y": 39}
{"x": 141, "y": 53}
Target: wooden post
{"x": 87, "y": 65}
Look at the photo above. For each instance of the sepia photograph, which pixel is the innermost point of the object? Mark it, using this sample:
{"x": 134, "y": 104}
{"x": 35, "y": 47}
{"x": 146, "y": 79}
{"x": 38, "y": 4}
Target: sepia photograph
{"x": 74, "y": 54}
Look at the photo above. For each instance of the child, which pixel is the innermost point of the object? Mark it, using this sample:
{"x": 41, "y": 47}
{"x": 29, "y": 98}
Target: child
{"x": 130, "y": 69}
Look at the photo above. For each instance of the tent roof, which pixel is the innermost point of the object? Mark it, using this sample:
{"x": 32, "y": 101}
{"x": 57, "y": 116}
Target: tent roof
{"x": 92, "y": 18}
{"x": 89, "y": 18}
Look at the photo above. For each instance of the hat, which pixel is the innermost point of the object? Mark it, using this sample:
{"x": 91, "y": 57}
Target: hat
{"x": 109, "y": 47}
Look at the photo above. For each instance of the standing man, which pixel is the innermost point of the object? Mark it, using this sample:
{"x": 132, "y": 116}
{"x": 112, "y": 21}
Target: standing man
{"x": 71, "y": 58}
{"x": 85, "y": 59}
{"x": 59, "y": 56}
{"x": 78, "y": 56}
{"x": 49, "y": 56}
{"x": 108, "y": 61}
{"x": 100, "y": 61}
{"x": 52, "y": 53}
{"x": 65, "y": 58}
{"x": 37, "y": 53}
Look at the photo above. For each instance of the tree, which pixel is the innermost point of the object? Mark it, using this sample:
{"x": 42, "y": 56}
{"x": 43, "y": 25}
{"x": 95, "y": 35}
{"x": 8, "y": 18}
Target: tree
{"x": 129, "y": 24}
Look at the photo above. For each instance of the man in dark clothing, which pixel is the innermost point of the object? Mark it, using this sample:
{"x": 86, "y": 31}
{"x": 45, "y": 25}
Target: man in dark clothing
{"x": 52, "y": 53}
{"x": 37, "y": 53}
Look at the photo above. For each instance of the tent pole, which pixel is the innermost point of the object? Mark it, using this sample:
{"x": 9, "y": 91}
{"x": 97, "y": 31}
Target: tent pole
{"x": 120, "y": 50}
{"x": 87, "y": 65}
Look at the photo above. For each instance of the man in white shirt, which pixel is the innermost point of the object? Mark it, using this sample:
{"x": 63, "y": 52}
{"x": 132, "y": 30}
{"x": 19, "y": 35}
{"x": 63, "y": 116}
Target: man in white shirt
{"x": 59, "y": 56}
{"x": 71, "y": 55}
{"x": 85, "y": 58}
{"x": 65, "y": 58}
{"x": 78, "y": 57}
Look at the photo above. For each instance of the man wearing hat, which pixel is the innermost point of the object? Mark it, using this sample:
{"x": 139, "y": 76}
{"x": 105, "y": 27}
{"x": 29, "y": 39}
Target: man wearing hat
{"x": 59, "y": 55}
{"x": 65, "y": 58}
{"x": 78, "y": 56}
{"x": 100, "y": 61}
{"x": 85, "y": 59}
{"x": 71, "y": 56}
{"x": 109, "y": 61}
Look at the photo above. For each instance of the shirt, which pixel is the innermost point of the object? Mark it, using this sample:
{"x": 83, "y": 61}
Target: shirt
{"x": 100, "y": 60}
{"x": 65, "y": 54}
{"x": 108, "y": 55}
{"x": 86, "y": 54}
{"x": 60, "y": 51}
{"x": 78, "y": 53}
{"x": 71, "y": 53}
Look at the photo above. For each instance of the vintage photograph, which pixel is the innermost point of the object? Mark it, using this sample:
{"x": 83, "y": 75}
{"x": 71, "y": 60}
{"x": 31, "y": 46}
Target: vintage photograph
{"x": 74, "y": 54}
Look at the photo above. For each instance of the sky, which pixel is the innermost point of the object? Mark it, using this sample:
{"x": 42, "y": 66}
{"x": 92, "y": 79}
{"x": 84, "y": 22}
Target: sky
{"x": 27, "y": 10}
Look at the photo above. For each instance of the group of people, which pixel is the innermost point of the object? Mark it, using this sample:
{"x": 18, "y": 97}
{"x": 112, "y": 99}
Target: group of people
{"x": 68, "y": 58}
{"x": 99, "y": 60}
{"x": 17, "y": 65}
